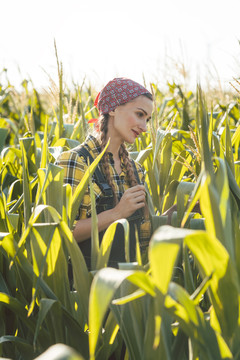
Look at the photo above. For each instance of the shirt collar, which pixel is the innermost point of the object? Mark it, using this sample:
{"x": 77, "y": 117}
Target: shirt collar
{"x": 95, "y": 147}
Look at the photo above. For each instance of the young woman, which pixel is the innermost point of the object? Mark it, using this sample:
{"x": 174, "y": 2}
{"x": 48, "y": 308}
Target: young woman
{"x": 125, "y": 107}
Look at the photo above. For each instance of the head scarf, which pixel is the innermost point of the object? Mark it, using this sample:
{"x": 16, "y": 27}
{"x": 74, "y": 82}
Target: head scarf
{"x": 118, "y": 92}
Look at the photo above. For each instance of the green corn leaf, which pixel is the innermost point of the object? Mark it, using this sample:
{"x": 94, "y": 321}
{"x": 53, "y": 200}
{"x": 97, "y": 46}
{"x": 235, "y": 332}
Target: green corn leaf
{"x": 197, "y": 224}
{"x": 38, "y": 211}
{"x": 236, "y": 136}
{"x": 27, "y": 194}
{"x": 65, "y": 142}
{"x": 50, "y": 184}
{"x": 224, "y": 204}
{"x": 160, "y": 136}
{"x": 203, "y": 129}
{"x": 13, "y": 220}
{"x": 39, "y": 254}
{"x": 215, "y": 206}
{"x": 106, "y": 245}
{"x": 128, "y": 298}
{"x": 125, "y": 225}
{"x": 165, "y": 161}
{"x": 209, "y": 202}
{"x": 3, "y": 285}
{"x": 81, "y": 277}
{"x": 41, "y": 194}
{"x": 50, "y": 261}
{"x": 170, "y": 195}
{"x": 138, "y": 250}
{"x": 29, "y": 146}
{"x": 10, "y": 247}
{"x": 163, "y": 251}
{"x": 3, "y": 136}
{"x": 107, "y": 240}
{"x": 132, "y": 318}
{"x": 143, "y": 154}
{"x": 110, "y": 338}
{"x": 195, "y": 197}
{"x": 19, "y": 202}
{"x": 184, "y": 191}
{"x": 233, "y": 184}
{"x": 178, "y": 168}
{"x": 12, "y": 125}
{"x": 217, "y": 147}
{"x": 94, "y": 227}
{"x": 104, "y": 285}
{"x": 152, "y": 182}
{"x": 191, "y": 319}
{"x": 188, "y": 275}
{"x": 228, "y": 149}
{"x": 77, "y": 338}
{"x": 133, "y": 315}
{"x": 18, "y": 308}
{"x": 143, "y": 281}
{"x": 44, "y": 146}
{"x": 212, "y": 258}
{"x": 44, "y": 308}
{"x": 197, "y": 294}
{"x": 67, "y": 201}
{"x": 24, "y": 347}
{"x": 157, "y": 221}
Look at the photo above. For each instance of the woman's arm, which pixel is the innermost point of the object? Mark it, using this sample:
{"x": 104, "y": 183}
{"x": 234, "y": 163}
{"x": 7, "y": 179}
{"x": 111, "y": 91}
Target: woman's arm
{"x": 82, "y": 230}
{"x": 132, "y": 200}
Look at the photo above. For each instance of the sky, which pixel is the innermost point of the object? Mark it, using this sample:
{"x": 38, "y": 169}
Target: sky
{"x": 100, "y": 40}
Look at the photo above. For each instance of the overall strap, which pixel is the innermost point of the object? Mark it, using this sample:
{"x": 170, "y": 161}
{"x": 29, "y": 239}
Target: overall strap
{"x": 135, "y": 171}
{"x": 100, "y": 179}
{"x": 138, "y": 215}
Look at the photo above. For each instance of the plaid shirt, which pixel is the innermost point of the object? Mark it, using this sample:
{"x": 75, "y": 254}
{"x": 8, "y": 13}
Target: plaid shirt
{"x": 75, "y": 167}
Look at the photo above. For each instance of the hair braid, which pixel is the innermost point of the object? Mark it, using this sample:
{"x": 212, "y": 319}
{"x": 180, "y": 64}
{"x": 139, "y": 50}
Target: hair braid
{"x": 123, "y": 153}
{"x": 130, "y": 174}
{"x": 103, "y": 120}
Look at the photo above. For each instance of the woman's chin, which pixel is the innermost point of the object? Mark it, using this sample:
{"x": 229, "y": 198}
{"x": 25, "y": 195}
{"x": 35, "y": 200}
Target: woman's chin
{"x": 130, "y": 142}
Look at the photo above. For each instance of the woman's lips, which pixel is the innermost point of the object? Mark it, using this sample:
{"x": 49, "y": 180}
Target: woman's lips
{"x": 135, "y": 133}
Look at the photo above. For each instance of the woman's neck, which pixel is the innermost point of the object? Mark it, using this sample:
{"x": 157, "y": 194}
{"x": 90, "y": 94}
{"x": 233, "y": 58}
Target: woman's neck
{"x": 114, "y": 148}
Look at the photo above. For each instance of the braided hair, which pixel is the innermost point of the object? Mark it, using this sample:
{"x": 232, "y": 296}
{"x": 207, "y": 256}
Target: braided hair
{"x": 103, "y": 128}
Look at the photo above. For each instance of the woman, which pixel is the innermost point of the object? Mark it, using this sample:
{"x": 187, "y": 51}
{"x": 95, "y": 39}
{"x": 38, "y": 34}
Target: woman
{"x": 125, "y": 107}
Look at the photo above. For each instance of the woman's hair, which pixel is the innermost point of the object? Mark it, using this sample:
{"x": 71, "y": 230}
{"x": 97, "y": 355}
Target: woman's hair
{"x": 123, "y": 153}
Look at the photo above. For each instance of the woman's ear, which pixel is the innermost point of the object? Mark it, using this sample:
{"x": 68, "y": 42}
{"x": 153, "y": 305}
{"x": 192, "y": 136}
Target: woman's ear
{"x": 112, "y": 113}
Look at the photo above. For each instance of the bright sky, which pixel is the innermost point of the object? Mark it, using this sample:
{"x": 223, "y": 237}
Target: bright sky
{"x": 106, "y": 38}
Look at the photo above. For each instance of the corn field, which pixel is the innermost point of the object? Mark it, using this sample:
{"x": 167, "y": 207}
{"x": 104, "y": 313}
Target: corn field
{"x": 182, "y": 301}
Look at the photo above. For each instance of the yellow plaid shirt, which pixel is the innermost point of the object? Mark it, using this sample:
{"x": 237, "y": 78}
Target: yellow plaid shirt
{"x": 75, "y": 167}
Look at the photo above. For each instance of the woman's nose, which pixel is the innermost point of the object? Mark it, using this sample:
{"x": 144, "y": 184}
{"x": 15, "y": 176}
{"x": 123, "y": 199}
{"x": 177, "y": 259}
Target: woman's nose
{"x": 143, "y": 126}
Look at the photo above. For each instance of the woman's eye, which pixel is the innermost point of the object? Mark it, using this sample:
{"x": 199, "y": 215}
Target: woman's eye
{"x": 140, "y": 114}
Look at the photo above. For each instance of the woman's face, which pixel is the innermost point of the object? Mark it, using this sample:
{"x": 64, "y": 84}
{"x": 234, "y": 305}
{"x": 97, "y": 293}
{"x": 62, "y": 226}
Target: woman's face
{"x": 128, "y": 121}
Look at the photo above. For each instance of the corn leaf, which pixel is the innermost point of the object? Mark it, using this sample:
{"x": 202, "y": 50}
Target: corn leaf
{"x": 212, "y": 258}
{"x": 104, "y": 285}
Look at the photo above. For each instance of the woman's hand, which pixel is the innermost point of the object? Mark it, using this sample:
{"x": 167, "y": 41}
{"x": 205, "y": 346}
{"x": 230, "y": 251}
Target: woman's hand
{"x": 132, "y": 200}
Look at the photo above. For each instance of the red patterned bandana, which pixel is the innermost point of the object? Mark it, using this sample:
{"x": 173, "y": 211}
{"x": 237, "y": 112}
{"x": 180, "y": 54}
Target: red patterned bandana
{"x": 118, "y": 92}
